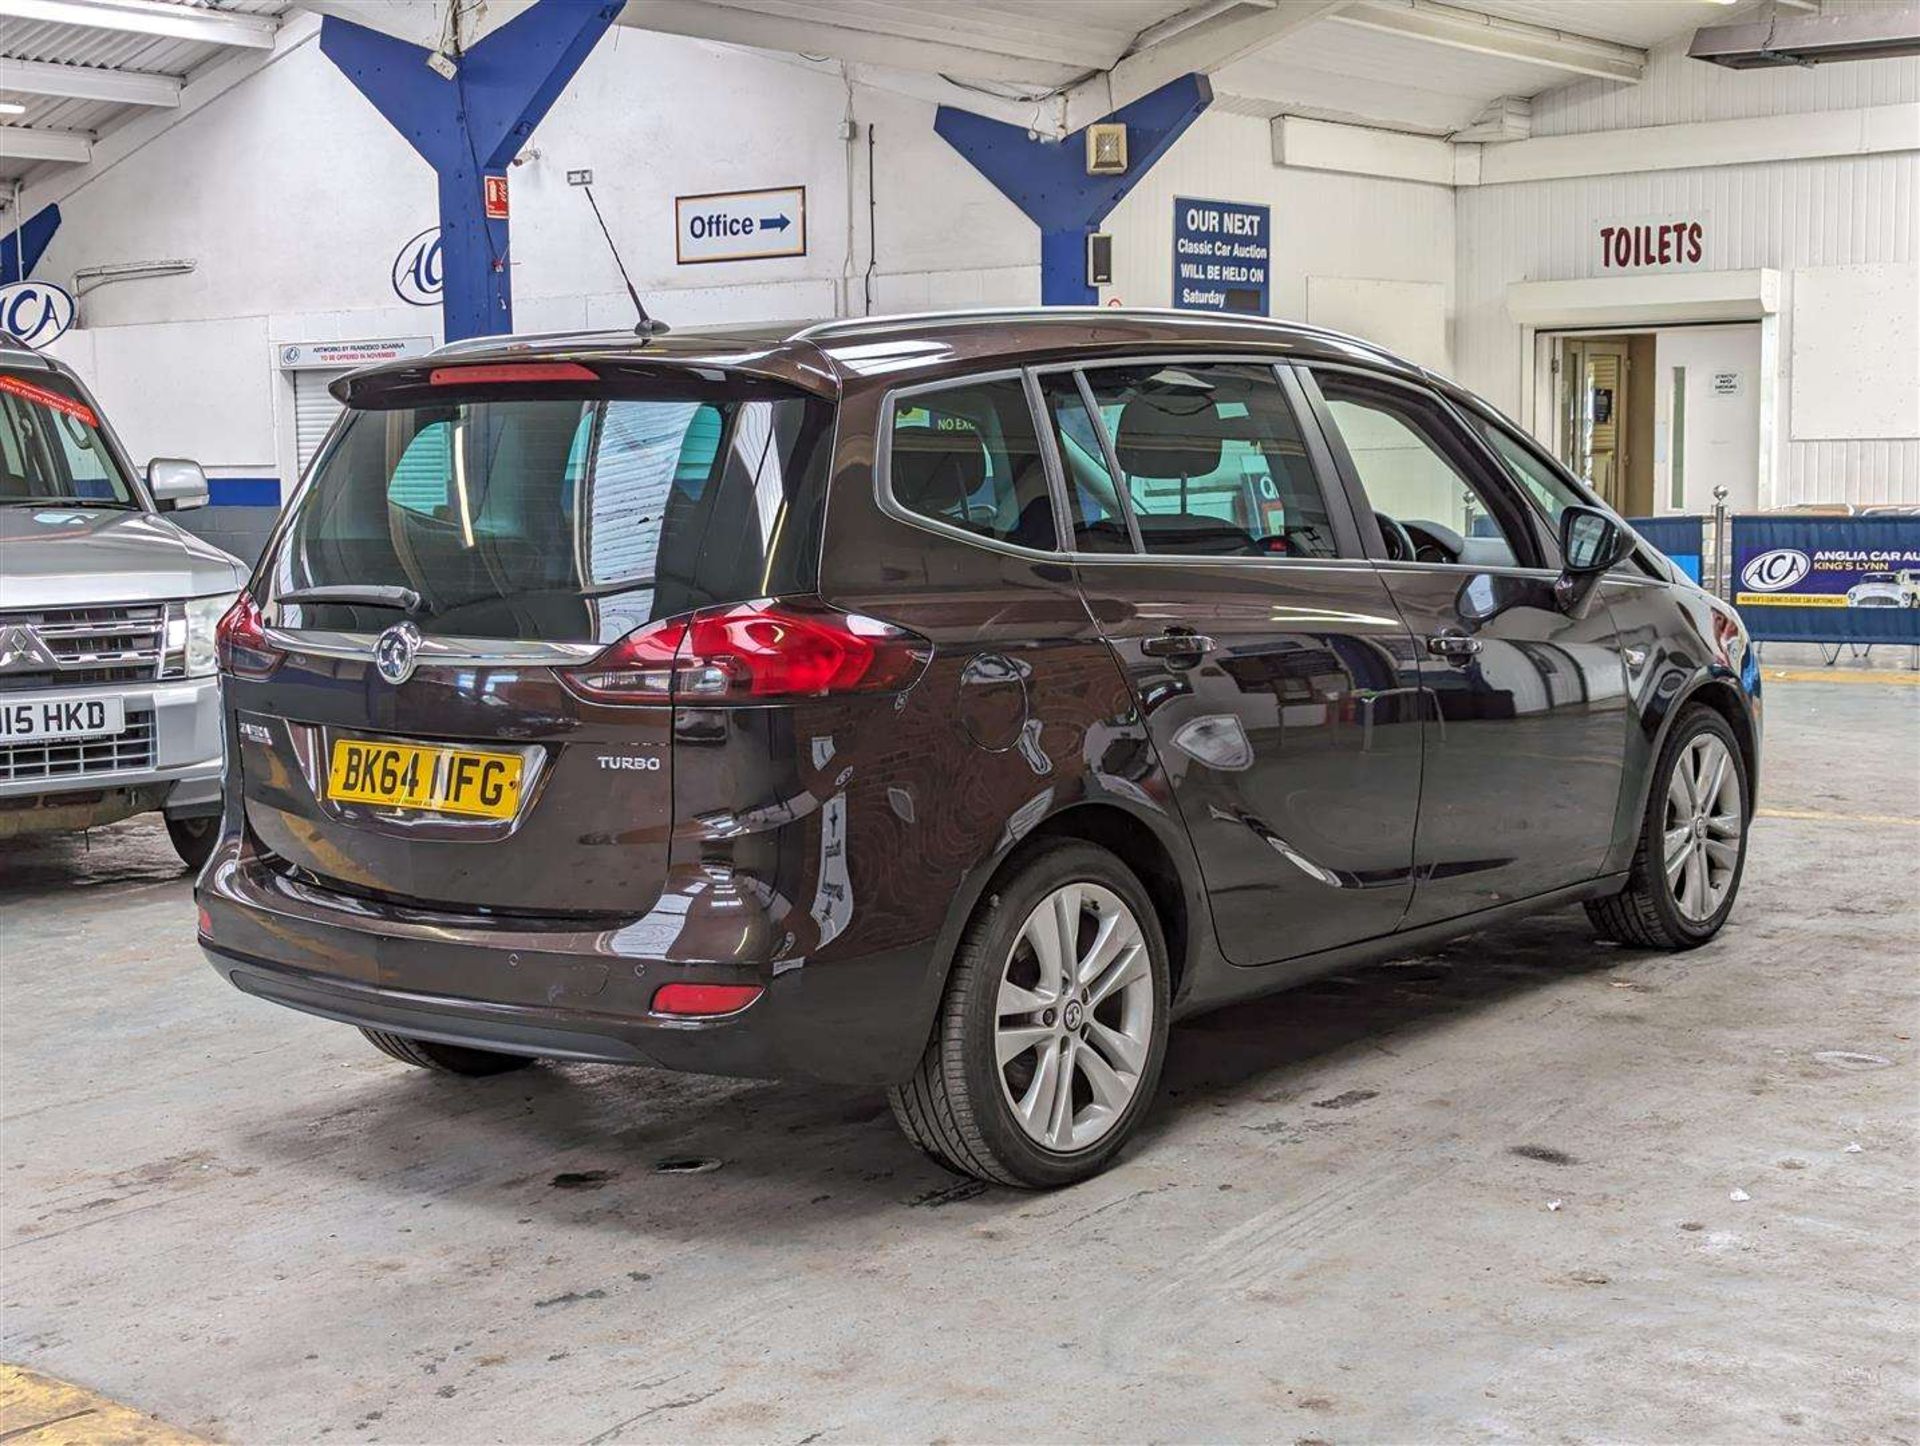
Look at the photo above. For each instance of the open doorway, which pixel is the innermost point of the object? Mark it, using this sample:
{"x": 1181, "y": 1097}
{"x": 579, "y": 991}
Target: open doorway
{"x": 1606, "y": 416}
{"x": 1656, "y": 420}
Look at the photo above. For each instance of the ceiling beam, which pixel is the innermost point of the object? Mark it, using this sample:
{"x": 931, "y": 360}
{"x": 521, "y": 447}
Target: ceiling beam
{"x": 21, "y": 143}
{"x": 1464, "y": 29}
{"x": 88, "y": 82}
{"x": 150, "y": 17}
{"x": 1224, "y": 35}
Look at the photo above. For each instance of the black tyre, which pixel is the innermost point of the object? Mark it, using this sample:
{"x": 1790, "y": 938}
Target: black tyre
{"x": 1693, "y": 842}
{"x": 193, "y": 839}
{"x": 446, "y": 1058}
{"x": 1048, "y": 1045}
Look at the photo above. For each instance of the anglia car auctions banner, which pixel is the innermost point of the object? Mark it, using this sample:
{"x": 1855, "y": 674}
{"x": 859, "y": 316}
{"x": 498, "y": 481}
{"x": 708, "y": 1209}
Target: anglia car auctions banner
{"x": 1828, "y": 579}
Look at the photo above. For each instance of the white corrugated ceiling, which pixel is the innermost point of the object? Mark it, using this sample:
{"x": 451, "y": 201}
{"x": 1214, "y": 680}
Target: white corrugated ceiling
{"x": 113, "y": 46}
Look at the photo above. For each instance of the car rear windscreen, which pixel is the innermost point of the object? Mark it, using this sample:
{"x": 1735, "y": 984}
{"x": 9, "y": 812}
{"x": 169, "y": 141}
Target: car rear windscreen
{"x": 564, "y": 515}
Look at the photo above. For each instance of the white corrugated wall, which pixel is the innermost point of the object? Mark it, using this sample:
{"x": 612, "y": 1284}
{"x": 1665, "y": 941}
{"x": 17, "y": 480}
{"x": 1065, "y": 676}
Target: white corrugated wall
{"x": 1789, "y": 215}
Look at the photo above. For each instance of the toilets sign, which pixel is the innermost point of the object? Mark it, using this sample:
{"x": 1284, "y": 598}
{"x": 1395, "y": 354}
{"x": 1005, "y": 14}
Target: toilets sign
{"x": 1221, "y": 252}
{"x": 740, "y": 225}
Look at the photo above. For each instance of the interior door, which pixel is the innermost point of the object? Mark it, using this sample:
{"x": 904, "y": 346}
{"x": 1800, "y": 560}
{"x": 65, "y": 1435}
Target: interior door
{"x": 1267, "y": 658}
{"x": 1597, "y": 376}
{"x": 1525, "y": 729}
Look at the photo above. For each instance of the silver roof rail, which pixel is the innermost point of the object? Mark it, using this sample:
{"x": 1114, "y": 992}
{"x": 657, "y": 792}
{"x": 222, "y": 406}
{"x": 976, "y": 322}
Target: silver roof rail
{"x": 857, "y": 324}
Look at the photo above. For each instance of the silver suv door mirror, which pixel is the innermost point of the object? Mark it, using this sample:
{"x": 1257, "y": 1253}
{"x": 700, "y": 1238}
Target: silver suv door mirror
{"x": 176, "y": 484}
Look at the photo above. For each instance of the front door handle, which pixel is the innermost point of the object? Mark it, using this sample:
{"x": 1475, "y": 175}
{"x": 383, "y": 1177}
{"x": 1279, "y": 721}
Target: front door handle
{"x": 1174, "y": 643}
{"x": 1452, "y": 645}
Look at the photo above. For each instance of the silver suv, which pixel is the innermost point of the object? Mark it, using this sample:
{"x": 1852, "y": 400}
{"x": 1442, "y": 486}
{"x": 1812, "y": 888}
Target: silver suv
{"x": 109, "y": 697}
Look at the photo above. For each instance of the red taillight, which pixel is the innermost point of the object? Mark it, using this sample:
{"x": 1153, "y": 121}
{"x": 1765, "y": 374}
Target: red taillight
{"x": 704, "y": 999}
{"x": 512, "y": 372}
{"x": 240, "y": 639}
{"x": 754, "y": 653}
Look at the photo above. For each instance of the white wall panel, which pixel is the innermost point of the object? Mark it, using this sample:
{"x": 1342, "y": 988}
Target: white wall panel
{"x": 1324, "y": 223}
{"x": 1790, "y": 216}
{"x": 1856, "y": 353}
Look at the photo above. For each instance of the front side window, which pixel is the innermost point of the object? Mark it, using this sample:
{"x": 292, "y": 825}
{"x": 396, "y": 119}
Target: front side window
{"x": 51, "y": 449}
{"x": 1547, "y": 488}
{"x": 1422, "y": 477}
{"x": 967, "y": 456}
{"x": 1213, "y": 461}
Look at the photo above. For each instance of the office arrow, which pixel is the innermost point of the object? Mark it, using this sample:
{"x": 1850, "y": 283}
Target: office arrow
{"x": 774, "y": 223}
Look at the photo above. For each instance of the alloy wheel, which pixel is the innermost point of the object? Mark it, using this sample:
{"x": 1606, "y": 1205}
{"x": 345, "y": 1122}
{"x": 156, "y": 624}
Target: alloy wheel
{"x": 1074, "y": 1017}
{"x": 1702, "y": 829}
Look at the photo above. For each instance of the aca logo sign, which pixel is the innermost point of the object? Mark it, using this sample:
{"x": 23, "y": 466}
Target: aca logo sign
{"x": 35, "y": 312}
{"x": 1777, "y": 570}
{"x": 417, "y": 270}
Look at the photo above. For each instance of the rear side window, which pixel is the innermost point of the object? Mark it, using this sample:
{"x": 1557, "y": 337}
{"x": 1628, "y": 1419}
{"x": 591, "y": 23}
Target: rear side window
{"x": 967, "y": 456}
{"x": 1213, "y": 461}
{"x": 563, "y": 517}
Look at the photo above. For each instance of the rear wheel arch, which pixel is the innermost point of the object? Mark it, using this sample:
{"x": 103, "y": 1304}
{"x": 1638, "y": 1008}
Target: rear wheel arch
{"x": 1142, "y": 850}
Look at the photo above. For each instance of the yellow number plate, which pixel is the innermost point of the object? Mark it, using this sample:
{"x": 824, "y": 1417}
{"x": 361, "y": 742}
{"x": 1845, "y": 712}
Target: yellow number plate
{"x": 407, "y": 775}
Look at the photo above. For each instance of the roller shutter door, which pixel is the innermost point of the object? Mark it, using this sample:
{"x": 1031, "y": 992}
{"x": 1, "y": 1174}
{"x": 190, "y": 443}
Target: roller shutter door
{"x": 313, "y": 411}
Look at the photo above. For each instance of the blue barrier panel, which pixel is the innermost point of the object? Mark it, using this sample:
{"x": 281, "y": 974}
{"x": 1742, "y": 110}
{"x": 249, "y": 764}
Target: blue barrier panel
{"x": 1680, "y": 538}
{"x": 1828, "y": 579}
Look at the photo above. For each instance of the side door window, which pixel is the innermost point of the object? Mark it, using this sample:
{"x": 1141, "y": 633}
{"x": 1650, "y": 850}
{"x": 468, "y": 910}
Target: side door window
{"x": 1211, "y": 462}
{"x": 967, "y": 457}
{"x": 1430, "y": 488}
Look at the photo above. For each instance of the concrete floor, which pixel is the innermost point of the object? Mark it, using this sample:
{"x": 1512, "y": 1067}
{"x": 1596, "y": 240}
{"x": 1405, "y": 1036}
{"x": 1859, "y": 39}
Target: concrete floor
{"x": 1339, "y": 1225}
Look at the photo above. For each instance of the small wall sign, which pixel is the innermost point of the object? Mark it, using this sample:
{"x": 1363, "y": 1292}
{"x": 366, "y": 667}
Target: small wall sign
{"x": 495, "y": 197}
{"x": 1728, "y": 384}
{"x": 1221, "y": 252}
{"x": 740, "y": 225}
{"x": 300, "y": 356}
{"x": 1640, "y": 245}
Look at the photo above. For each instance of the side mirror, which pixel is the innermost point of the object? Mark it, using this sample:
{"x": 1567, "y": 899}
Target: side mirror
{"x": 176, "y": 484}
{"x": 1591, "y": 542}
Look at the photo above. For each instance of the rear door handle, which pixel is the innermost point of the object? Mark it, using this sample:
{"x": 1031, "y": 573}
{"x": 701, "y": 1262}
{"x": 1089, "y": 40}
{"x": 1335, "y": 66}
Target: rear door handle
{"x": 1452, "y": 645}
{"x": 1174, "y": 644}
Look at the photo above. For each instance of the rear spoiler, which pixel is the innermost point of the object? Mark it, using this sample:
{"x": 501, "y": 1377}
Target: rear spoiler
{"x": 635, "y": 360}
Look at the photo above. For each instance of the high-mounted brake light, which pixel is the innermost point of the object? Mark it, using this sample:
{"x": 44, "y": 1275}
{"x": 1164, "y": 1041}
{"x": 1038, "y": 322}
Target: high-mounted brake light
{"x": 704, "y": 1000}
{"x": 512, "y": 372}
{"x": 754, "y": 653}
{"x": 240, "y": 641}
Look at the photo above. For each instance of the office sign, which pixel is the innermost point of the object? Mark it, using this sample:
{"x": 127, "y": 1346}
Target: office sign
{"x": 303, "y": 356}
{"x": 1222, "y": 254}
{"x": 740, "y": 225}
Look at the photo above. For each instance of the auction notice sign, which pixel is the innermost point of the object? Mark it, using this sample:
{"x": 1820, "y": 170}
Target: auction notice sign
{"x": 1828, "y": 579}
{"x": 1221, "y": 256}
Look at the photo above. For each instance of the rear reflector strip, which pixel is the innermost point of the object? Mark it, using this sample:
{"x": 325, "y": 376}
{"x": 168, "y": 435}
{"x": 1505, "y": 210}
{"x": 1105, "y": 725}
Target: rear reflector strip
{"x": 512, "y": 372}
{"x": 698, "y": 1000}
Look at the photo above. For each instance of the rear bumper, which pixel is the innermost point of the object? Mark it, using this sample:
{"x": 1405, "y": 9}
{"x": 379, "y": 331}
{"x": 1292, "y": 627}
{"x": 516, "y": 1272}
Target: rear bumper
{"x": 578, "y": 994}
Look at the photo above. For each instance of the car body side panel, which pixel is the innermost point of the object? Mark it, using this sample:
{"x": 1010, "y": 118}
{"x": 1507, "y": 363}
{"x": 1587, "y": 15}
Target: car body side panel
{"x": 1676, "y": 640}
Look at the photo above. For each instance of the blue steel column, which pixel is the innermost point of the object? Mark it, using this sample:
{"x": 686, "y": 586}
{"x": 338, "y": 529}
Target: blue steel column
{"x": 1048, "y": 179}
{"x": 471, "y": 127}
{"x": 34, "y": 235}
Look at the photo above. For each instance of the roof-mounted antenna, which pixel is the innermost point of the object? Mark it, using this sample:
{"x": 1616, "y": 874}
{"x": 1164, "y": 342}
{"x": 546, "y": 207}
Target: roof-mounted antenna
{"x": 647, "y": 326}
